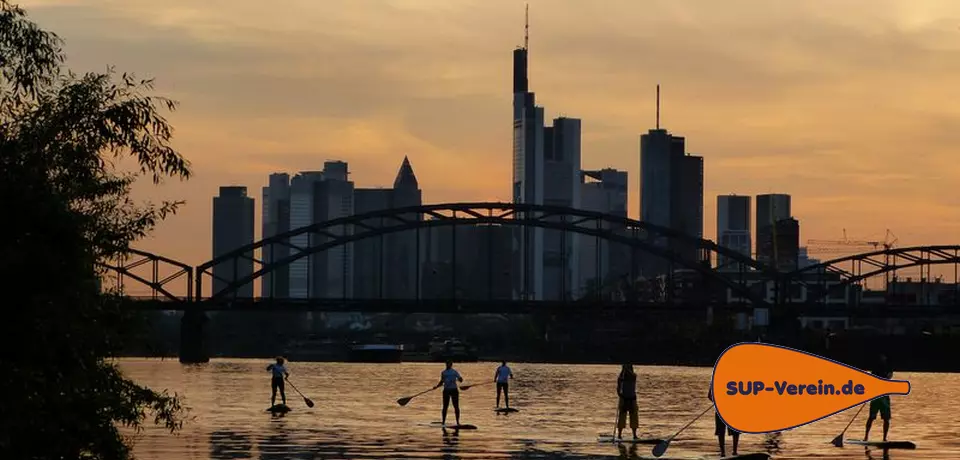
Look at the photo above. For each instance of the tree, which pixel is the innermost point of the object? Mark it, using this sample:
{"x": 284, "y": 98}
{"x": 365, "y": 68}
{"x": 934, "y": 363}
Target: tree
{"x": 67, "y": 206}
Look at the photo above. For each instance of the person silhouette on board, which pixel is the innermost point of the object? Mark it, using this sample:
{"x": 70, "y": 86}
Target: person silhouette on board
{"x": 627, "y": 395}
{"x": 451, "y": 392}
{"x": 882, "y": 404}
{"x": 276, "y": 383}
{"x": 722, "y": 428}
{"x": 502, "y": 376}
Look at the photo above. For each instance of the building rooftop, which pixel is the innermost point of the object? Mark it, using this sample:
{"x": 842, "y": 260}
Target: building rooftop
{"x": 405, "y": 176}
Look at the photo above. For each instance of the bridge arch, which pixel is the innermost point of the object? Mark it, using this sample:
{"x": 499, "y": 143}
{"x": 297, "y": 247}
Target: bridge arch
{"x": 604, "y": 226}
{"x": 857, "y": 268}
{"x": 163, "y": 271}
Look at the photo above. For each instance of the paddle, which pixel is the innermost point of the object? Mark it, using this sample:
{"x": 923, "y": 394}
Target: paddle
{"x": 838, "y": 441}
{"x": 662, "y": 446}
{"x": 467, "y": 387}
{"x": 404, "y": 401}
{"x": 306, "y": 400}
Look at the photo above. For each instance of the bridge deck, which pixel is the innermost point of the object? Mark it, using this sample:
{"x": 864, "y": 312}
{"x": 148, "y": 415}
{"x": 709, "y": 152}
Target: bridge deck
{"x": 449, "y": 306}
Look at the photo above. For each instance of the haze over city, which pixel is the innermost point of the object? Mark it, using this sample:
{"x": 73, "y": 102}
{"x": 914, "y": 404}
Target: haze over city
{"x": 850, "y": 109}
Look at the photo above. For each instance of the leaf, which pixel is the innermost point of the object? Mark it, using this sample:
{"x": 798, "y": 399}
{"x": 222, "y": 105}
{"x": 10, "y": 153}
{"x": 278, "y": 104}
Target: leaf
{"x": 60, "y": 133}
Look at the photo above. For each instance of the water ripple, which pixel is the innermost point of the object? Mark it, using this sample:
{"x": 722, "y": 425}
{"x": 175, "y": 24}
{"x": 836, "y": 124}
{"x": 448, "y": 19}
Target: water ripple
{"x": 563, "y": 409}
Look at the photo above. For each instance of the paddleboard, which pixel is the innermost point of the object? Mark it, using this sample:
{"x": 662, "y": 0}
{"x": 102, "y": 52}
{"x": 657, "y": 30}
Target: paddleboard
{"x": 627, "y": 440}
{"x": 506, "y": 410}
{"x": 752, "y": 456}
{"x": 464, "y": 426}
{"x": 883, "y": 444}
{"x": 459, "y": 427}
{"x": 648, "y": 457}
{"x": 279, "y": 409}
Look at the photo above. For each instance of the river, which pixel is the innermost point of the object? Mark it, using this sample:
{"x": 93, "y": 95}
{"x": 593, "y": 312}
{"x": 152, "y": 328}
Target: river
{"x": 562, "y": 410}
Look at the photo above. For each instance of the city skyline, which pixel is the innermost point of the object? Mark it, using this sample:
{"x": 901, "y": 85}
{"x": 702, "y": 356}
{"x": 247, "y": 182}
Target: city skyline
{"x": 762, "y": 130}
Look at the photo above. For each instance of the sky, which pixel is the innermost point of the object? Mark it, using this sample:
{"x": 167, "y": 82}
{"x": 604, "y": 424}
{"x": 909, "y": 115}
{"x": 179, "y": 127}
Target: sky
{"x": 851, "y": 106}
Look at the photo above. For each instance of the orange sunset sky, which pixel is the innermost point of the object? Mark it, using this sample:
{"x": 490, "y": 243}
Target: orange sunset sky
{"x": 851, "y": 106}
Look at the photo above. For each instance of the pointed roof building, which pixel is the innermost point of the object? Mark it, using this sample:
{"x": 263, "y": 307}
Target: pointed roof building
{"x": 406, "y": 179}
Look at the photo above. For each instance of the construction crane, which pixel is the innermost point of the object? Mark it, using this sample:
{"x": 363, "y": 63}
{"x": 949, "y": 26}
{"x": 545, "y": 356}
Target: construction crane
{"x": 848, "y": 246}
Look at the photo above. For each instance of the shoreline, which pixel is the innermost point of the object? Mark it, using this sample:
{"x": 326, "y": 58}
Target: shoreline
{"x": 493, "y": 360}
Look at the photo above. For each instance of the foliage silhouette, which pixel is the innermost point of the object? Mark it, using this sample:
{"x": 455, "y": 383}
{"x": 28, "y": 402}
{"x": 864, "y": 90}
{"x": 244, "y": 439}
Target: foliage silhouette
{"x": 64, "y": 141}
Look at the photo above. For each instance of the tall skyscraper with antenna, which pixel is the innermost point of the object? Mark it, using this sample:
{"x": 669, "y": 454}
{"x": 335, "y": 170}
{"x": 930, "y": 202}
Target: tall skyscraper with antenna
{"x": 528, "y": 160}
{"x": 671, "y": 186}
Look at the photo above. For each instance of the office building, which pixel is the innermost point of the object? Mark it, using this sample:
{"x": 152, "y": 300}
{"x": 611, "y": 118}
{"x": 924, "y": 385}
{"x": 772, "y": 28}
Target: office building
{"x": 733, "y": 228}
{"x": 561, "y": 188}
{"x": 528, "y": 170}
{"x": 671, "y": 191}
{"x": 371, "y": 265}
{"x": 301, "y": 215}
{"x": 691, "y": 196}
{"x": 782, "y": 242}
{"x": 387, "y": 267}
{"x": 470, "y": 262}
{"x": 403, "y": 247}
{"x": 603, "y": 191}
{"x": 331, "y": 270}
{"x": 232, "y": 229}
{"x": 276, "y": 220}
{"x": 771, "y": 208}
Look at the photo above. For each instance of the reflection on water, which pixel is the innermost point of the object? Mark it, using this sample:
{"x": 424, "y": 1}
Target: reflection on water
{"x": 562, "y": 410}
{"x": 450, "y": 442}
{"x": 885, "y": 455}
{"x": 629, "y": 452}
{"x": 229, "y": 445}
{"x": 771, "y": 443}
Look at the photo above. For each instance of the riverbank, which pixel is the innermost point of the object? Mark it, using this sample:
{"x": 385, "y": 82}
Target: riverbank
{"x": 929, "y": 357}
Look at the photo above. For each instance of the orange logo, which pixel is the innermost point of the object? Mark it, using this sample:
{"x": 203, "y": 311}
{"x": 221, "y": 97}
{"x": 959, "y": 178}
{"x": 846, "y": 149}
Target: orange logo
{"x": 763, "y": 388}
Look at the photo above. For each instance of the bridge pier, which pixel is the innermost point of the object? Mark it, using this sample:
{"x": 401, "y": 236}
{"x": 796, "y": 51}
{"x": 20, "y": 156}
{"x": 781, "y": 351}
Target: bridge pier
{"x": 193, "y": 350}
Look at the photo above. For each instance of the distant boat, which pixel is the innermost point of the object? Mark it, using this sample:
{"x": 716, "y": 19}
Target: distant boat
{"x": 376, "y": 353}
{"x": 452, "y": 350}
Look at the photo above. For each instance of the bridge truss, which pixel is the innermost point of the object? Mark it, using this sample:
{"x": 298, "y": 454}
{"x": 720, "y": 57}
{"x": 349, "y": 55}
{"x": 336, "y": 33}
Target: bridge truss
{"x": 856, "y": 270}
{"x": 671, "y": 247}
{"x": 678, "y": 250}
{"x": 152, "y": 271}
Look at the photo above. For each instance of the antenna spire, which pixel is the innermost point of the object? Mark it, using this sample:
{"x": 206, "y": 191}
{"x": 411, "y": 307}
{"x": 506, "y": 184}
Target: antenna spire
{"x": 658, "y": 106}
{"x": 526, "y": 27}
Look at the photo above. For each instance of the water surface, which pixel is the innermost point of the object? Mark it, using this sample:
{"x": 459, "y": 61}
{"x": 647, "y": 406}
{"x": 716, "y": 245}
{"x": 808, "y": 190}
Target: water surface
{"x": 562, "y": 410}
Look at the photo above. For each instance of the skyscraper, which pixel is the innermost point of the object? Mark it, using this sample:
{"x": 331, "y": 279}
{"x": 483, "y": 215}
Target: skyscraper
{"x": 603, "y": 191}
{"x": 276, "y": 220}
{"x": 301, "y": 215}
{"x": 733, "y": 228}
{"x": 331, "y": 274}
{"x": 232, "y": 229}
{"x": 371, "y": 261}
{"x": 671, "y": 188}
{"x": 402, "y": 246}
{"x": 691, "y": 196}
{"x": 392, "y": 258}
{"x": 527, "y": 175}
{"x": 561, "y": 188}
{"x": 771, "y": 208}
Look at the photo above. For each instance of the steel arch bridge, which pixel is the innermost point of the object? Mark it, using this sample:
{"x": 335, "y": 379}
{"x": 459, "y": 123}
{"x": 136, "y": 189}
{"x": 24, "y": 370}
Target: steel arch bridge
{"x": 854, "y": 270}
{"x": 163, "y": 271}
{"x": 338, "y": 232}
